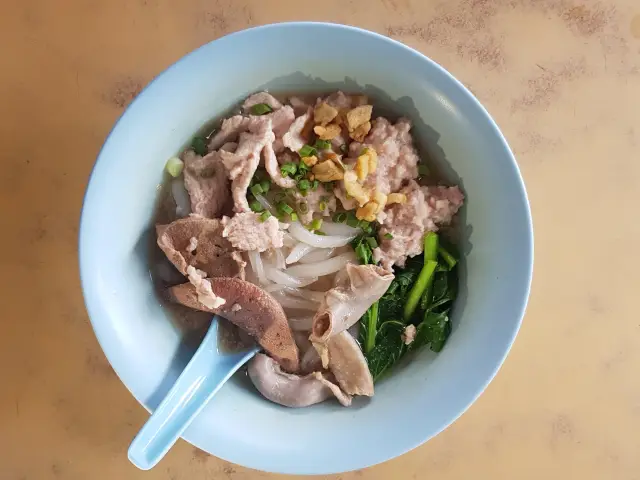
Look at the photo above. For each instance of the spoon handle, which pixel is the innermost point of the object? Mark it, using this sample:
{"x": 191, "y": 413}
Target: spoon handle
{"x": 205, "y": 373}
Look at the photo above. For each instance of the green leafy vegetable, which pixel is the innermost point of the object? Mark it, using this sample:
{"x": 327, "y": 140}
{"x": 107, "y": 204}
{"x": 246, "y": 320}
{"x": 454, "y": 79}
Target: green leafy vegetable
{"x": 425, "y": 277}
{"x": 362, "y": 246}
{"x": 434, "y": 330}
{"x": 431, "y": 243}
{"x": 369, "y": 328}
{"x": 422, "y": 293}
{"x": 388, "y": 350}
{"x": 199, "y": 145}
{"x": 261, "y": 109}
{"x": 447, "y": 257}
{"x": 352, "y": 221}
{"x": 372, "y": 242}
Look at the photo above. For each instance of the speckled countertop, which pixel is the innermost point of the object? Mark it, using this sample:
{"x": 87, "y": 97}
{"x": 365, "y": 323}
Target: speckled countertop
{"x": 561, "y": 77}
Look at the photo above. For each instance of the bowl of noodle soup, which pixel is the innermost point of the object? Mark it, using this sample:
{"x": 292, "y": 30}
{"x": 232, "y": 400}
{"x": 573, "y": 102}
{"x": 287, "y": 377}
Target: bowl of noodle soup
{"x": 364, "y": 221}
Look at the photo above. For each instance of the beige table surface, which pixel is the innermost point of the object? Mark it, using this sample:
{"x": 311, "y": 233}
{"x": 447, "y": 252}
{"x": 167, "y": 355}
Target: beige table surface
{"x": 561, "y": 77}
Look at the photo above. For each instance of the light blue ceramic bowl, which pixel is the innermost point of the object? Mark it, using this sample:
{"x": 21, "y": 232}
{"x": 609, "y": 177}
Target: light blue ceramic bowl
{"x": 423, "y": 397}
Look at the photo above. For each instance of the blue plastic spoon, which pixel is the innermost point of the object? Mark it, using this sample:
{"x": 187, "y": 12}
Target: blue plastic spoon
{"x": 207, "y": 371}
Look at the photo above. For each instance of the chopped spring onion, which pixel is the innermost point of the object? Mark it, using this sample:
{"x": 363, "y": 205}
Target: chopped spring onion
{"x": 340, "y": 217}
{"x": 264, "y": 216}
{"x": 315, "y": 184}
{"x": 265, "y": 185}
{"x": 322, "y": 206}
{"x": 322, "y": 144}
{"x": 265, "y": 203}
{"x": 372, "y": 242}
{"x": 199, "y": 145}
{"x": 307, "y": 151}
{"x": 261, "y": 109}
{"x": 302, "y": 168}
{"x": 320, "y": 232}
{"x": 315, "y": 224}
{"x": 304, "y": 184}
{"x": 174, "y": 166}
{"x": 256, "y": 206}
{"x": 284, "y": 208}
{"x": 293, "y": 216}
{"x": 303, "y": 207}
{"x": 256, "y": 189}
{"x": 423, "y": 169}
{"x": 288, "y": 169}
{"x": 388, "y": 236}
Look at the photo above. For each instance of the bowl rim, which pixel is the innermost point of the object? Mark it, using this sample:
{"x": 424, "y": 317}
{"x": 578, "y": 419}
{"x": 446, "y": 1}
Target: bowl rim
{"x": 392, "y": 452}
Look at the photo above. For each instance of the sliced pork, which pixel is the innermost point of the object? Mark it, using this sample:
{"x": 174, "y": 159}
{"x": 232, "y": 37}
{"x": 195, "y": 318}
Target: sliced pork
{"x": 272, "y": 167}
{"x": 425, "y": 209}
{"x": 198, "y": 242}
{"x": 243, "y": 163}
{"x": 229, "y": 131}
{"x": 206, "y": 181}
{"x": 261, "y": 97}
{"x": 292, "y": 390}
{"x": 260, "y": 315}
{"x": 247, "y": 232}
{"x": 355, "y": 290}
{"x": 298, "y": 134}
{"x": 281, "y": 120}
{"x": 341, "y": 354}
